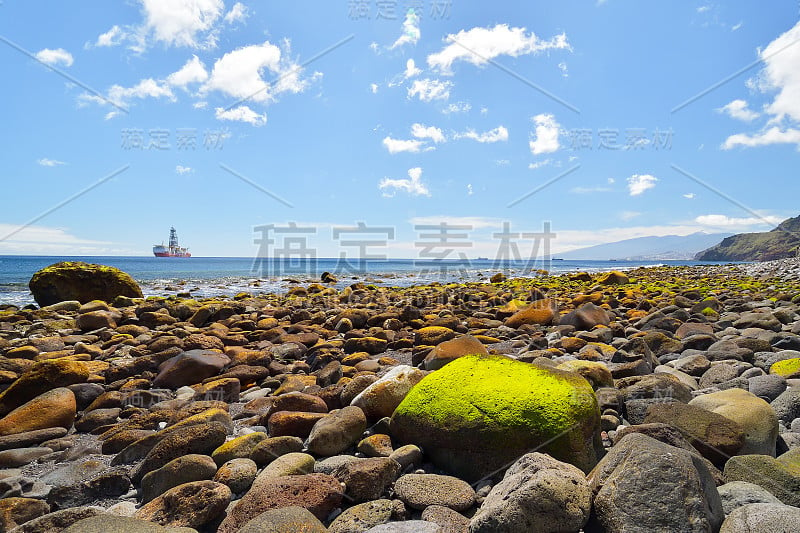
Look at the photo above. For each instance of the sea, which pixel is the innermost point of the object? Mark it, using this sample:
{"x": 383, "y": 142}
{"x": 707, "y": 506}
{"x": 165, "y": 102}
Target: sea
{"x": 203, "y": 277}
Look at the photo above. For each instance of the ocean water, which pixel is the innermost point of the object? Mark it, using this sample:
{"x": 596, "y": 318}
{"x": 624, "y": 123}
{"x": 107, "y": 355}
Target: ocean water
{"x": 216, "y": 276}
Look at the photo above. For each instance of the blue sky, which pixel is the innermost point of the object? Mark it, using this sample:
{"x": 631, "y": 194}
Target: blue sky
{"x": 609, "y": 120}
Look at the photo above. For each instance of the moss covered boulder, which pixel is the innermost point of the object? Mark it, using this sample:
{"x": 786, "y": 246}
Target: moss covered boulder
{"x": 84, "y": 282}
{"x": 480, "y": 413}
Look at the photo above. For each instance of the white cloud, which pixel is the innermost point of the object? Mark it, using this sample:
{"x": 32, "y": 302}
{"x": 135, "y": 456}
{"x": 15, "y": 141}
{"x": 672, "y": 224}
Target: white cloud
{"x": 179, "y": 23}
{"x": 638, "y": 183}
{"x": 239, "y": 73}
{"x": 773, "y": 135}
{"x": 200, "y": 105}
{"x": 147, "y": 88}
{"x": 611, "y": 181}
{"x": 194, "y": 71}
{"x": 484, "y": 110}
{"x": 689, "y": 196}
{"x": 479, "y": 45}
{"x": 502, "y": 162}
{"x": 457, "y": 107}
{"x": 737, "y": 26}
{"x": 111, "y": 114}
{"x": 411, "y": 69}
{"x": 564, "y": 70}
{"x": 396, "y": 146}
{"x": 411, "y": 32}
{"x": 629, "y": 215}
{"x": 738, "y": 109}
{"x": 721, "y": 221}
{"x": 589, "y": 190}
{"x": 433, "y": 133}
{"x": 429, "y": 90}
{"x": 469, "y": 189}
{"x": 238, "y": 13}
{"x": 112, "y": 37}
{"x": 241, "y": 114}
{"x": 42, "y": 240}
{"x": 374, "y": 88}
{"x": 55, "y": 57}
{"x": 412, "y": 186}
{"x": 540, "y": 164}
{"x": 780, "y": 76}
{"x": 547, "y": 131}
{"x": 703, "y": 9}
{"x": 180, "y": 169}
{"x": 45, "y": 162}
{"x": 476, "y": 223}
{"x": 500, "y": 133}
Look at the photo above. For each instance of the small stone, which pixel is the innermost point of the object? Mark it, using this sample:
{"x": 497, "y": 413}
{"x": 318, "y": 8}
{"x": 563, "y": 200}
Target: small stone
{"x": 364, "y": 516}
{"x": 21, "y": 456}
{"x": 239, "y": 447}
{"x": 284, "y": 520}
{"x": 271, "y": 448}
{"x": 378, "y": 445}
{"x": 449, "y": 520}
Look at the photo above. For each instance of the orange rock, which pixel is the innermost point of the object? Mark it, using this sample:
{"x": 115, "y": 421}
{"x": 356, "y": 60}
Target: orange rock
{"x": 55, "y": 408}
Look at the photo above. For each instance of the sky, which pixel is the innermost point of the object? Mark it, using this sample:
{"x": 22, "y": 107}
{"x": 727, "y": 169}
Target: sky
{"x": 358, "y": 123}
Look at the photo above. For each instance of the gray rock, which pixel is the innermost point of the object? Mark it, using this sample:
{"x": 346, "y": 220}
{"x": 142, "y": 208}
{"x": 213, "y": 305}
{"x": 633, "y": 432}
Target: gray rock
{"x": 762, "y": 518}
{"x": 767, "y": 387}
{"x": 449, "y": 520}
{"x": 123, "y": 524}
{"x": 337, "y": 432}
{"x": 330, "y": 464}
{"x": 787, "y": 405}
{"x": 645, "y": 485}
{"x": 537, "y": 493}
{"x": 364, "y": 516}
{"x": 25, "y": 439}
{"x": 411, "y": 526}
{"x": 284, "y": 520}
{"x": 21, "y": 456}
{"x": 59, "y": 520}
{"x": 238, "y": 474}
{"x": 739, "y": 493}
{"x": 419, "y": 491}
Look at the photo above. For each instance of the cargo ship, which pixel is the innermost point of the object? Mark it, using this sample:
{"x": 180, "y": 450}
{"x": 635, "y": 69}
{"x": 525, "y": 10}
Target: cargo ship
{"x": 173, "y": 250}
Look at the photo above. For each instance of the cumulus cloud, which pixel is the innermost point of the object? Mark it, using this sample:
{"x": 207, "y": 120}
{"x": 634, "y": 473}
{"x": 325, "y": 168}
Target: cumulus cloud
{"x": 59, "y": 56}
{"x": 412, "y": 186}
{"x": 241, "y": 114}
{"x": 433, "y": 133}
{"x": 112, "y": 37}
{"x": 411, "y": 69}
{"x": 194, "y": 71}
{"x": 411, "y": 32}
{"x": 639, "y": 183}
{"x": 189, "y": 23}
{"x": 547, "y": 131}
{"x": 239, "y": 73}
{"x": 780, "y": 76}
{"x": 738, "y": 109}
{"x": 500, "y": 133}
{"x": 480, "y": 45}
{"x": 773, "y": 135}
{"x": 428, "y": 90}
{"x": 395, "y": 146}
{"x": 45, "y": 162}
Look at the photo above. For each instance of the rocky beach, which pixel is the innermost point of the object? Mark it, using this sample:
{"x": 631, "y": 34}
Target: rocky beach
{"x": 655, "y": 399}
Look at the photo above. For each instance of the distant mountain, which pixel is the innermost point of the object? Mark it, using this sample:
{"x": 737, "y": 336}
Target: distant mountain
{"x": 669, "y": 247}
{"x": 780, "y": 243}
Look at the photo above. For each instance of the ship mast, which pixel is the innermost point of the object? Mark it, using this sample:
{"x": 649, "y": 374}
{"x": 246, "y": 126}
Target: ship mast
{"x": 173, "y": 238}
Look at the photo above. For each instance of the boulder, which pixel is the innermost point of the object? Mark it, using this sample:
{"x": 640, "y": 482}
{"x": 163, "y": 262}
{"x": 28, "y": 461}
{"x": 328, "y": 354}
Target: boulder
{"x": 739, "y": 493}
{"x": 754, "y": 416}
{"x": 646, "y": 485}
{"x": 189, "y": 368}
{"x": 586, "y": 317}
{"x": 192, "y": 504}
{"x": 453, "y": 349}
{"x": 84, "y": 282}
{"x": 52, "y": 409}
{"x": 40, "y": 378}
{"x": 537, "y": 493}
{"x": 478, "y": 414}
{"x": 762, "y": 518}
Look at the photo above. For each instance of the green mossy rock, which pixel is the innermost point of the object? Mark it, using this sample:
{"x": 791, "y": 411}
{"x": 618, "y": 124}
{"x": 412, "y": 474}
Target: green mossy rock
{"x": 480, "y": 413}
{"x": 76, "y": 280}
{"x": 788, "y": 368}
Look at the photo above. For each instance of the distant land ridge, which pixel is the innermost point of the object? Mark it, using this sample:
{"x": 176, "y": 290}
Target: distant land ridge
{"x": 779, "y": 243}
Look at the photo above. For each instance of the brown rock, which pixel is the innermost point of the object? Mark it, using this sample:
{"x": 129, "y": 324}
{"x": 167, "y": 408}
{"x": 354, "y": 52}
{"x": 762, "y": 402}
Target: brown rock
{"x": 318, "y": 493}
{"x": 16, "y": 511}
{"x": 293, "y": 423}
{"x": 40, "y": 378}
{"x": 189, "y": 505}
{"x": 52, "y": 409}
{"x": 367, "y": 479}
{"x": 189, "y": 368}
{"x": 453, "y": 349}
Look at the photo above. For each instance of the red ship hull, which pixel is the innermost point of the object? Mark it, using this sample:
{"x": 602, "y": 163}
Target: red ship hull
{"x": 167, "y": 254}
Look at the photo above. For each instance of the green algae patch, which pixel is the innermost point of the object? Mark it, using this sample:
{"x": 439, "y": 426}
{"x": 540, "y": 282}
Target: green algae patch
{"x": 788, "y": 368}
{"x": 479, "y": 413}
